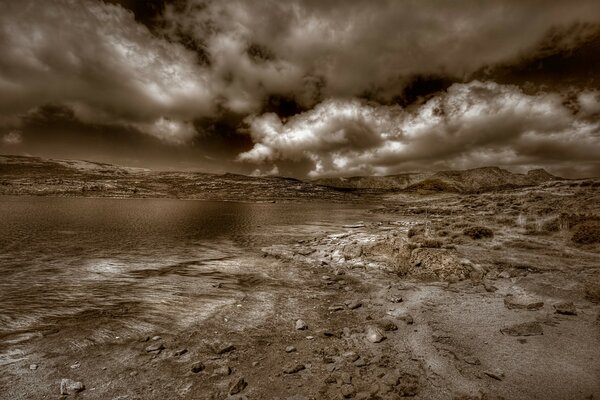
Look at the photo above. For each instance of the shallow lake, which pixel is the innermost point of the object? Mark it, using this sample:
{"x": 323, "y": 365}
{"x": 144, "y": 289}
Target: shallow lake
{"x": 137, "y": 263}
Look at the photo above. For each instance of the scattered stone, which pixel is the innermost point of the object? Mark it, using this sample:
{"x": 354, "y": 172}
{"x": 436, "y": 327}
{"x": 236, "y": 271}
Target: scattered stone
{"x": 347, "y": 391}
{"x": 255, "y": 363}
{"x": 310, "y": 337}
{"x": 489, "y": 287}
{"x": 351, "y": 356}
{"x": 374, "y": 334}
{"x": 495, "y": 374}
{"x": 180, "y": 352}
{"x": 522, "y": 302}
{"x": 301, "y": 325}
{"x": 354, "y": 304}
{"x": 222, "y": 371}
{"x": 346, "y": 378}
{"x": 33, "y": 367}
{"x": 221, "y": 348}
{"x": 157, "y": 347}
{"x": 326, "y": 277}
{"x": 566, "y": 308}
{"x": 237, "y": 385}
{"x": 472, "y": 360}
{"x": 69, "y": 386}
{"x": 155, "y": 338}
{"x": 360, "y": 362}
{"x": 197, "y": 367}
{"x": 336, "y": 307}
{"x": 504, "y": 275}
{"x": 395, "y": 299}
{"x": 292, "y": 369}
{"x": 76, "y": 365}
{"x": 524, "y": 329}
{"x": 387, "y": 325}
{"x": 290, "y": 349}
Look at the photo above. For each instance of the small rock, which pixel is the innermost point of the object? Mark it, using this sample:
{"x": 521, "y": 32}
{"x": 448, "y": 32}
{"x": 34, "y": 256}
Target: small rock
{"x": 495, "y": 374}
{"x": 524, "y": 329}
{"x": 374, "y": 335}
{"x": 472, "y": 360}
{"x": 33, "y": 367}
{"x": 351, "y": 356}
{"x": 346, "y": 378}
{"x": 353, "y": 305}
{"x": 310, "y": 337}
{"x": 292, "y": 369}
{"x": 221, "y": 348}
{"x": 157, "y": 347}
{"x": 387, "y": 325}
{"x": 255, "y": 363}
{"x": 360, "y": 362}
{"x": 197, "y": 367}
{"x": 566, "y": 308}
{"x": 155, "y": 338}
{"x": 301, "y": 325}
{"x": 336, "y": 307}
{"x": 489, "y": 287}
{"x": 395, "y": 299}
{"x": 407, "y": 318}
{"x": 222, "y": 371}
{"x": 347, "y": 391}
{"x": 237, "y": 385}
{"x": 290, "y": 349}
{"x": 76, "y": 365}
{"x": 330, "y": 379}
{"x": 69, "y": 386}
{"x": 522, "y": 303}
{"x": 180, "y": 352}
{"x": 504, "y": 275}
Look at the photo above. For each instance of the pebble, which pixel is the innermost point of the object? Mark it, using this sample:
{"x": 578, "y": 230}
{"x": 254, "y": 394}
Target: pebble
{"x": 69, "y": 386}
{"x": 301, "y": 325}
{"x": 292, "y": 369}
{"x": 387, "y": 325}
{"x": 472, "y": 360}
{"x": 374, "y": 335}
{"x": 351, "y": 356}
{"x": 157, "y": 347}
{"x": 222, "y": 371}
{"x": 353, "y": 305}
{"x": 395, "y": 299}
{"x": 155, "y": 338}
{"x": 33, "y": 367}
{"x": 237, "y": 385}
{"x": 495, "y": 374}
{"x": 76, "y": 365}
{"x": 347, "y": 391}
{"x": 360, "y": 362}
{"x": 222, "y": 348}
{"x": 180, "y": 352}
{"x": 566, "y": 308}
{"x": 336, "y": 307}
{"x": 290, "y": 349}
{"x": 197, "y": 367}
{"x": 346, "y": 378}
{"x": 523, "y": 303}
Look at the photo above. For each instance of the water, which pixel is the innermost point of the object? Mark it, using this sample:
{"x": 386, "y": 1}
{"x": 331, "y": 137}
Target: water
{"x": 130, "y": 265}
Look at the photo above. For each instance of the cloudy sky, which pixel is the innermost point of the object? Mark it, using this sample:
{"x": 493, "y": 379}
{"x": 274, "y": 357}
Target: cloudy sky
{"x": 305, "y": 88}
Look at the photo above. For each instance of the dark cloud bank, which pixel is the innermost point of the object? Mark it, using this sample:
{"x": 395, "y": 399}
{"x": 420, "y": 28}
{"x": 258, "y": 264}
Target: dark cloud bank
{"x": 305, "y": 88}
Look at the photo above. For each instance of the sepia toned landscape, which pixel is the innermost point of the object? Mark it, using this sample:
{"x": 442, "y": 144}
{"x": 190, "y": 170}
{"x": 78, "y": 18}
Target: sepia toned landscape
{"x": 299, "y": 200}
{"x": 464, "y": 284}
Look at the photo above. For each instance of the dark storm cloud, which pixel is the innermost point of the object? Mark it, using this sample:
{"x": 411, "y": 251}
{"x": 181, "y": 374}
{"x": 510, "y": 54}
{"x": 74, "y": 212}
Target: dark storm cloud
{"x": 306, "y": 86}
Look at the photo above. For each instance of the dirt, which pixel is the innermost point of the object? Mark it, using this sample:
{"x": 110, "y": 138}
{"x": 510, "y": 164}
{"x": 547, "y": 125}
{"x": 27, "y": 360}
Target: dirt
{"x": 438, "y": 315}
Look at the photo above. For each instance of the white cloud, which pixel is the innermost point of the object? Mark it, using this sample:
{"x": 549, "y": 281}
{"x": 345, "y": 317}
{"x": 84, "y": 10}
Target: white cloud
{"x": 470, "y": 124}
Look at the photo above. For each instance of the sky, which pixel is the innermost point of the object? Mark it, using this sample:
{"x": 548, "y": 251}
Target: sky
{"x": 304, "y": 88}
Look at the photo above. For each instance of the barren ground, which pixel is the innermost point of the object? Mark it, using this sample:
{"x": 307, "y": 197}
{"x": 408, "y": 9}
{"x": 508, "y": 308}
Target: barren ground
{"x": 402, "y": 304}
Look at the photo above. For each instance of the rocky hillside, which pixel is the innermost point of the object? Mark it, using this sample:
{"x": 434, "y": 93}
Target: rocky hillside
{"x": 44, "y": 177}
{"x": 465, "y": 181}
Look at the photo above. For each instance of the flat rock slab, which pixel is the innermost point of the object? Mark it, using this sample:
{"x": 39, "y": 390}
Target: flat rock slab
{"x": 567, "y": 308}
{"x": 524, "y": 329}
{"x": 523, "y": 302}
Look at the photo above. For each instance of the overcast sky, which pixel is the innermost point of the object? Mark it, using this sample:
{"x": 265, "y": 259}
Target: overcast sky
{"x": 305, "y": 88}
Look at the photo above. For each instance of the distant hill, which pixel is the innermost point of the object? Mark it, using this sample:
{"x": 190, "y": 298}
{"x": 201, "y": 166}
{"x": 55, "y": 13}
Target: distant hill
{"x": 465, "y": 181}
{"x": 21, "y": 175}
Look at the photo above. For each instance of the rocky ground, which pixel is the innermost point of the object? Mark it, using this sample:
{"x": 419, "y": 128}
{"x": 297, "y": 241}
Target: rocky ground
{"x": 429, "y": 296}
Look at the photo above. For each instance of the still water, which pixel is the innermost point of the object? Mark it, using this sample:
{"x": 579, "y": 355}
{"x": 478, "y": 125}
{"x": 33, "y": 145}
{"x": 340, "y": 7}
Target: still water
{"x": 139, "y": 262}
